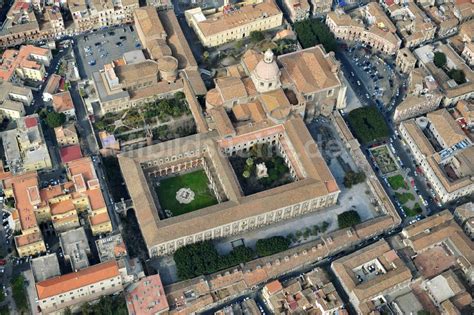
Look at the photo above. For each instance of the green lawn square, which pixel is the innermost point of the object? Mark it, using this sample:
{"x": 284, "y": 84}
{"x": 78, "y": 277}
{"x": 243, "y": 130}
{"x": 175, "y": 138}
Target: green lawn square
{"x": 197, "y": 181}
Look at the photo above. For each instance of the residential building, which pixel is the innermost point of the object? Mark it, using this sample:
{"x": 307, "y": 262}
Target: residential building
{"x": 320, "y": 7}
{"x": 27, "y": 63}
{"x": 368, "y": 25}
{"x": 66, "y": 135}
{"x": 79, "y": 287}
{"x": 111, "y": 247}
{"x": 444, "y": 16}
{"x": 405, "y": 60}
{"x": 100, "y": 223}
{"x": 412, "y": 23}
{"x": 297, "y": 10}
{"x": 452, "y": 91}
{"x": 26, "y": 22}
{"x": 13, "y": 99}
{"x": 444, "y": 153}
{"x": 24, "y": 190}
{"x": 440, "y": 235}
{"x": 62, "y": 103}
{"x": 45, "y": 267}
{"x": 52, "y": 87}
{"x": 92, "y": 15}
{"x": 233, "y": 22}
{"x": 313, "y": 292}
{"x": 109, "y": 145}
{"x": 464, "y": 216}
{"x": 75, "y": 247}
{"x": 147, "y": 296}
{"x": 25, "y": 147}
{"x": 468, "y": 53}
{"x": 369, "y": 274}
{"x": 70, "y": 153}
{"x": 444, "y": 287}
{"x": 59, "y": 204}
{"x": 422, "y": 96}
{"x": 465, "y": 109}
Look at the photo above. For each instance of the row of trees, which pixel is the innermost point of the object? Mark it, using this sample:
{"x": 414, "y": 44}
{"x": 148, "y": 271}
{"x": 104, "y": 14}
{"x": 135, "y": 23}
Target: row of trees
{"x": 19, "y": 293}
{"x": 202, "y": 258}
{"x": 309, "y": 231}
{"x": 312, "y": 32}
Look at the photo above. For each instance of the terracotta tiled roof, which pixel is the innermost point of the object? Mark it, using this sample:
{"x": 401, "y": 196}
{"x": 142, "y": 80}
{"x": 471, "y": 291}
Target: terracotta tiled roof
{"x": 76, "y": 280}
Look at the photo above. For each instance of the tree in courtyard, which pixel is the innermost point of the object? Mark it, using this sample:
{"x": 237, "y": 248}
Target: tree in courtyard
{"x": 256, "y": 36}
{"x": 352, "y": 178}
{"x": 439, "y": 59}
{"x": 457, "y": 75}
{"x": 54, "y": 119}
{"x": 246, "y": 174}
{"x": 348, "y": 219}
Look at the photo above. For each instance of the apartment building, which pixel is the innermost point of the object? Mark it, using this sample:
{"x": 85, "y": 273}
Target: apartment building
{"x": 233, "y": 22}
{"x": 13, "y": 99}
{"x": 465, "y": 110}
{"x": 453, "y": 91}
{"x": 405, "y": 60}
{"x": 62, "y": 103}
{"x": 468, "y": 53}
{"x": 368, "y": 25}
{"x": 369, "y": 274}
{"x": 94, "y": 14}
{"x": 320, "y": 8}
{"x": 312, "y": 292}
{"x": 423, "y": 96}
{"x": 464, "y": 216}
{"x": 25, "y": 147}
{"x": 29, "y": 62}
{"x": 444, "y": 15}
{"x": 297, "y": 10}
{"x": 440, "y": 235}
{"x": 66, "y": 135}
{"x": 75, "y": 247}
{"x": 412, "y": 23}
{"x": 59, "y": 204}
{"x": 444, "y": 152}
{"x": 79, "y": 287}
{"x": 147, "y": 296}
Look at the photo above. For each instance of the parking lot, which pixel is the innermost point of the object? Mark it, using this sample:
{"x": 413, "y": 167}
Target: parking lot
{"x": 376, "y": 75}
{"x": 97, "y": 49}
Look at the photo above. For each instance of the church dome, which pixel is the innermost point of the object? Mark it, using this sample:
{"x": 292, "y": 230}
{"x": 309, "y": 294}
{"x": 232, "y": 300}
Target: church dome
{"x": 267, "y": 69}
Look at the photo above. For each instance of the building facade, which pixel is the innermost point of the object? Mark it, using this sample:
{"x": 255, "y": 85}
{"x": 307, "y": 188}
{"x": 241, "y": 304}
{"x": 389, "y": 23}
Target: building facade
{"x": 237, "y": 23}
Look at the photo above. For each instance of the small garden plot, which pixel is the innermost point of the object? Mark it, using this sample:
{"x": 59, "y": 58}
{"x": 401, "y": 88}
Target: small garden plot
{"x": 384, "y": 159}
{"x": 397, "y": 182}
{"x": 260, "y": 169}
{"x": 185, "y": 193}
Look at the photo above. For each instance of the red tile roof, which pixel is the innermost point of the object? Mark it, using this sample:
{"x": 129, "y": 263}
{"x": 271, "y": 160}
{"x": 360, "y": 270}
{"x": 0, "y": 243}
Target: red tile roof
{"x": 31, "y": 122}
{"x": 76, "y": 280}
{"x": 70, "y": 153}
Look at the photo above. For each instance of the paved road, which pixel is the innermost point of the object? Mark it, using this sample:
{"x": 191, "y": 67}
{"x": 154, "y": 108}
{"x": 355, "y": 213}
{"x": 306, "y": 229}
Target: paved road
{"x": 401, "y": 150}
{"x": 90, "y": 147}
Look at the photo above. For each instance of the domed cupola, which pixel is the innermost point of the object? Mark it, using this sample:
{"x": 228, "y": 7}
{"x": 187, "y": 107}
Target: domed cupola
{"x": 266, "y": 75}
